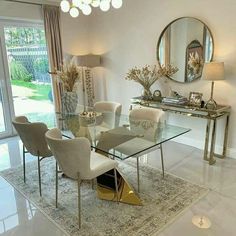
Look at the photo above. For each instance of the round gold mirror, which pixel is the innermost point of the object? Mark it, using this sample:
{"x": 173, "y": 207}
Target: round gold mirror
{"x": 186, "y": 43}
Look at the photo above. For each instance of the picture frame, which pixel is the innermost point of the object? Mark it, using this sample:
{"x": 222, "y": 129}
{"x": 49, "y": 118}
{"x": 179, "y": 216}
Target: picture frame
{"x": 157, "y": 96}
{"x": 195, "y": 99}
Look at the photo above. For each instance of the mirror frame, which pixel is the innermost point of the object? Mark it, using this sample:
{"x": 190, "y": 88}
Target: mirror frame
{"x": 161, "y": 35}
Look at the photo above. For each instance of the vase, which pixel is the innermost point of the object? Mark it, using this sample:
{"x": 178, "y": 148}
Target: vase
{"x": 69, "y": 102}
{"x": 146, "y": 94}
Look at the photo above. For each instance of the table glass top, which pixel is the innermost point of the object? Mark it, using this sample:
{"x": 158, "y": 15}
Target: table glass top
{"x": 118, "y": 136}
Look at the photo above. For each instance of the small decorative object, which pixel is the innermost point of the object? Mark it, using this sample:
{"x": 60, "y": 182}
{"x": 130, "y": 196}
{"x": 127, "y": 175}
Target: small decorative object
{"x": 175, "y": 99}
{"x": 213, "y": 71}
{"x": 157, "y": 96}
{"x": 148, "y": 75}
{"x": 69, "y": 75}
{"x": 195, "y": 99}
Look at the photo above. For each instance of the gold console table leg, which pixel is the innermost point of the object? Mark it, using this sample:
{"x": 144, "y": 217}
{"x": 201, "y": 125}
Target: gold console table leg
{"x": 226, "y": 136}
{"x": 207, "y": 140}
{"x": 213, "y": 139}
{"x": 225, "y": 142}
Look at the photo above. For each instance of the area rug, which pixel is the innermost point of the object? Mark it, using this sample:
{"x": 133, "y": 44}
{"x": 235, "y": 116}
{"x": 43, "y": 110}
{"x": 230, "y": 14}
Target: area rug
{"x": 163, "y": 200}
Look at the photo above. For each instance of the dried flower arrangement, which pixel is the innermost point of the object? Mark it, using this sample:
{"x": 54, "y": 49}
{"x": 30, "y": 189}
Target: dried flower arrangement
{"x": 147, "y": 76}
{"x": 69, "y": 75}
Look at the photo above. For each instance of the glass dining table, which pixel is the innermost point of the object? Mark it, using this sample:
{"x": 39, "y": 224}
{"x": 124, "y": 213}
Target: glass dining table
{"x": 118, "y": 137}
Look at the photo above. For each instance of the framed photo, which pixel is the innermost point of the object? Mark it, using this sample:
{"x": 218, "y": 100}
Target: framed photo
{"x": 157, "y": 95}
{"x": 195, "y": 99}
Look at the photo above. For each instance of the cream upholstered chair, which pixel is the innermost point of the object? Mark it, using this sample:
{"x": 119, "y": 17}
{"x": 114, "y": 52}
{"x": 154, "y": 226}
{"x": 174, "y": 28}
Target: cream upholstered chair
{"x": 143, "y": 114}
{"x": 77, "y": 162}
{"x": 111, "y": 112}
{"x": 33, "y": 138}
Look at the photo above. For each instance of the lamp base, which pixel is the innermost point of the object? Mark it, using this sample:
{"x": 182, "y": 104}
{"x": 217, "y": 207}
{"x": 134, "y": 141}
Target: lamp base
{"x": 211, "y": 104}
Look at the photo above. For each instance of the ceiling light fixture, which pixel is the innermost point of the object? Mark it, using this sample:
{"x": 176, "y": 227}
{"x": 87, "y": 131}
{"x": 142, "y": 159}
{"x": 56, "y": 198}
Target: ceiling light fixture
{"x": 73, "y": 6}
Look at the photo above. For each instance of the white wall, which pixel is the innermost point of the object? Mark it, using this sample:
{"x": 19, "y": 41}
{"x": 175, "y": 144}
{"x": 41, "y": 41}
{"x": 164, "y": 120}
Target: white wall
{"x": 128, "y": 37}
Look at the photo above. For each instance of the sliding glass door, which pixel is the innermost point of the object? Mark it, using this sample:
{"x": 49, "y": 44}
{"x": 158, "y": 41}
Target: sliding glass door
{"x": 5, "y": 114}
{"x": 27, "y": 81}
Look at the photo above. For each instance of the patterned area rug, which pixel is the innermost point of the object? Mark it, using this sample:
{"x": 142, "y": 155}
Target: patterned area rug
{"x": 163, "y": 200}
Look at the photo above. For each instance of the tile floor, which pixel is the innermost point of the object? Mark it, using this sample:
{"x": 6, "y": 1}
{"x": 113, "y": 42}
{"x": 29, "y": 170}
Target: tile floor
{"x": 19, "y": 217}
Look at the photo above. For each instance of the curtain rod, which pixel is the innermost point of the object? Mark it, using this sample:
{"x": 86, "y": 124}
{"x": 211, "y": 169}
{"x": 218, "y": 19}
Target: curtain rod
{"x": 30, "y": 3}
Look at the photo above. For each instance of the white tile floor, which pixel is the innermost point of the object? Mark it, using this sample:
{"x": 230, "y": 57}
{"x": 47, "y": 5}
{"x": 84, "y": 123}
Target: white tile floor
{"x": 18, "y": 217}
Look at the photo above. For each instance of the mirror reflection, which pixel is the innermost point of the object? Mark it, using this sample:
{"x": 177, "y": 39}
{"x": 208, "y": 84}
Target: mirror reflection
{"x": 186, "y": 43}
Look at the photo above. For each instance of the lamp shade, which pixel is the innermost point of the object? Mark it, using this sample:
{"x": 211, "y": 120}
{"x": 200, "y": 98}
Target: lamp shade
{"x": 89, "y": 60}
{"x": 213, "y": 71}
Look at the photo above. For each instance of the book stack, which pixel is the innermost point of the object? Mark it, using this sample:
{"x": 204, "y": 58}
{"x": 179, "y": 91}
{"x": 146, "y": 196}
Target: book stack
{"x": 180, "y": 100}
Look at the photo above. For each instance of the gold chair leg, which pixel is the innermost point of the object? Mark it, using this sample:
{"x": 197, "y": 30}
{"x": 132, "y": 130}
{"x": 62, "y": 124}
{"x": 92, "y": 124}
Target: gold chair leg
{"x": 39, "y": 173}
{"x": 138, "y": 174}
{"x": 79, "y": 200}
{"x": 162, "y": 162}
{"x": 24, "y": 163}
{"x": 56, "y": 185}
{"x": 117, "y": 192}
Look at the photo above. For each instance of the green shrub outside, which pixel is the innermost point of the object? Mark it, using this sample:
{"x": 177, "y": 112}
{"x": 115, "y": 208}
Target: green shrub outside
{"x": 19, "y": 72}
{"x": 41, "y": 65}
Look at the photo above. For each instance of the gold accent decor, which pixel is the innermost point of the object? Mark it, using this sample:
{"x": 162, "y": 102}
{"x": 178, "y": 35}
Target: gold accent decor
{"x": 126, "y": 193}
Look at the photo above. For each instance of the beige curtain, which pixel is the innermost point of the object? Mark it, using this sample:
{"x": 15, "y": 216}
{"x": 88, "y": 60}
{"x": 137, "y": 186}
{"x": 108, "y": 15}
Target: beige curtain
{"x": 52, "y": 27}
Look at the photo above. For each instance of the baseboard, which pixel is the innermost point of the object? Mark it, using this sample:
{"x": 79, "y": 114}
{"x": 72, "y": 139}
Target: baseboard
{"x": 231, "y": 152}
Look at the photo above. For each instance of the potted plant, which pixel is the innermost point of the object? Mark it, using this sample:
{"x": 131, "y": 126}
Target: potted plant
{"x": 147, "y": 76}
{"x": 69, "y": 76}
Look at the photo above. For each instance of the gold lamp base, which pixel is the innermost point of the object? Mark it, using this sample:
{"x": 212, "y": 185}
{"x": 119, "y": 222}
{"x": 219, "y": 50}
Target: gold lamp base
{"x": 211, "y": 104}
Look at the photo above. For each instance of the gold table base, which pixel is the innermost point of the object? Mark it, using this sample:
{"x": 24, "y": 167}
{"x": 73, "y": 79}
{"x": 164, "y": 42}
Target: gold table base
{"x": 126, "y": 193}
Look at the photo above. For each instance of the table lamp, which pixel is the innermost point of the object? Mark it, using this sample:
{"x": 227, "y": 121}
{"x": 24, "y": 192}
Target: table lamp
{"x": 213, "y": 71}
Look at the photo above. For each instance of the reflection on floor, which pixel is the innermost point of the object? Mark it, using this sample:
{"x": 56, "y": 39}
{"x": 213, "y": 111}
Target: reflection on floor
{"x": 19, "y": 217}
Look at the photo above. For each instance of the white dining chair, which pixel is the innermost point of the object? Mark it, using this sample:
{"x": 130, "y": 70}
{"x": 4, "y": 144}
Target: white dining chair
{"x": 32, "y": 136}
{"x": 78, "y": 162}
{"x": 143, "y": 114}
{"x": 111, "y": 112}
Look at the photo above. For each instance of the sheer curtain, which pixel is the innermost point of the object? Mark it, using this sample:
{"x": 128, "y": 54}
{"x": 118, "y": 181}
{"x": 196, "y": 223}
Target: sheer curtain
{"x": 52, "y": 27}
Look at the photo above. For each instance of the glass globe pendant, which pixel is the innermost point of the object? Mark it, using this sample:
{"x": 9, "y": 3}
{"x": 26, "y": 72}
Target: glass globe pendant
{"x": 95, "y": 3}
{"x": 74, "y": 12}
{"x": 65, "y": 6}
{"x": 117, "y": 3}
{"x": 105, "y": 5}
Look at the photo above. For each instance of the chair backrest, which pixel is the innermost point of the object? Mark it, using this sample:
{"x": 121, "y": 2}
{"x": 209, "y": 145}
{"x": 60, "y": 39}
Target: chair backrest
{"x": 32, "y": 135}
{"x": 145, "y": 121}
{"x": 72, "y": 155}
{"x": 111, "y": 112}
{"x": 146, "y": 113}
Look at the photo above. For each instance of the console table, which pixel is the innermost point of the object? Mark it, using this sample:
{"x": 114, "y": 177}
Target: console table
{"x": 210, "y": 115}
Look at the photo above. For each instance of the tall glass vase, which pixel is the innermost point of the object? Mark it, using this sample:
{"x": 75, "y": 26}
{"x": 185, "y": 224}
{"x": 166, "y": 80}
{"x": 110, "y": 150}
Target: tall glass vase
{"x": 146, "y": 93}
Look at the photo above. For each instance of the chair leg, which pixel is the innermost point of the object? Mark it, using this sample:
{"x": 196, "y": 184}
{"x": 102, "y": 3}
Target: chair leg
{"x": 24, "y": 163}
{"x": 56, "y": 185}
{"x": 39, "y": 173}
{"x": 79, "y": 201}
{"x": 116, "y": 184}
{"x": 94, "y": 183}
{"x": 162, "y": 161}
{"x": 138, "y": 174}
